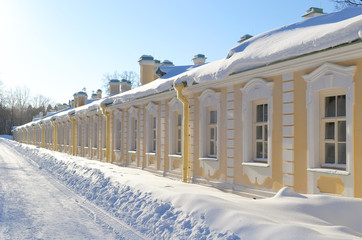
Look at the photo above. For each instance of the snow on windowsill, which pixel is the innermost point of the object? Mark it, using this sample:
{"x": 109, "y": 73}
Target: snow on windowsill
{"x": 329, "y": 171}
{"x": 256, "y": 164}
{"x": 214, "y": 159}
{"x": 150, "y": 153}
{"x": 175, "y": 155}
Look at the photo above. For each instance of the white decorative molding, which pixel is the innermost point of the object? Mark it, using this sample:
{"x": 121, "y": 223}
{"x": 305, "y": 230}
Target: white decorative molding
{"x": 208, "y": 98}
{"x": 327, "y": 79}
{"x": 175, "y": 107}
{"x": 254, "y": 90}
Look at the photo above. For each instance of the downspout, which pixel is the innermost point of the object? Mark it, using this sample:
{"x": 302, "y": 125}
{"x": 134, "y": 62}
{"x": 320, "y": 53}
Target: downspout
{"x": 27, "y": 134}
{"x": 34, "y": 135}
{"x": 74, "y": 121}
{"x": 185, "y": 120}
{"x": 42, "y": 135}
{"x": 107, "y": 114}
{"x": 55, "y": 137}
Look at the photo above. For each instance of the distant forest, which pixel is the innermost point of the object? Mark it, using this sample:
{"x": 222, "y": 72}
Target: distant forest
{"x": 18, "y": 107}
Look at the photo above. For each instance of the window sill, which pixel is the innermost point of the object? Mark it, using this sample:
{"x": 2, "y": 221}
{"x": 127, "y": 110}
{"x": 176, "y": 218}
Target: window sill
{"x": 175, "y": 155}
{"x": 256, "y": 164}
{"x": 329, "y": 171}
{"x": 150, "y": 154}
{"x": 132, "y": 151}
{"x": 117, "y": 150}
{"x": 208, "y": 159}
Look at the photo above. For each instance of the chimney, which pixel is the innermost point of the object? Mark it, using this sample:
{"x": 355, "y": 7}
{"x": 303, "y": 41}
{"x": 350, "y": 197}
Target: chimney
{"x": 94, "y": 95}
{"x": 167, "y": 63}
{"x": 99, "y": 94}
{"x": 199, "y": 59}
{"x": 313, "y": 12}
{"x": 157, "y": 65}
{"x": 244, "y": 38}
{"x": 147, "y": 65}
{"x": 75, "y": 100}
{"x": 114, "y": 85}
{"x": 126, "y": 85}
{"x": 82, "y": 97}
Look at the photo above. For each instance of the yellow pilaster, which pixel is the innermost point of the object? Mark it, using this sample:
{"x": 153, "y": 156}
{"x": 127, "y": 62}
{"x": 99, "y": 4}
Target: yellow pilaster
{"x": 74, "y": 122}
{"x": 42, "y": 135}
{"x": 185, "y": 149}
{"x": 108, "y": 137}
{"x": 55, "y": 137}
{"x": 34, "y": 135}
{"x": 27, "y": 135}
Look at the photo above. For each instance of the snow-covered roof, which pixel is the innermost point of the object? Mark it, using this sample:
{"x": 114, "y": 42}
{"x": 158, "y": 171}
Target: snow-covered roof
{"x": 283, "y": 43}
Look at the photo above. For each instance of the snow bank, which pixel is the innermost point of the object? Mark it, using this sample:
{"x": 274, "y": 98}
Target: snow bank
{"x": 161, "y": 208}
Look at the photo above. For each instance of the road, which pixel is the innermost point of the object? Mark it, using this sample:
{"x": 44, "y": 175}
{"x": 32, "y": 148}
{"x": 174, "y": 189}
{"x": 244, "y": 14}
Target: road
{"x": 34, "y": 205}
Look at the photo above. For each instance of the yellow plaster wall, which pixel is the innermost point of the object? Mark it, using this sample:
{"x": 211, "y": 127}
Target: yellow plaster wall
{"x": 327, "y": 184}
{"x": 300, "y": 132}
{"x": 146, "y": 74}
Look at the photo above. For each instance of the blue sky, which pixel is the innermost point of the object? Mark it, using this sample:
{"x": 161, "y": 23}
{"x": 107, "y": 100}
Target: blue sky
{"x": 57, "y": 47}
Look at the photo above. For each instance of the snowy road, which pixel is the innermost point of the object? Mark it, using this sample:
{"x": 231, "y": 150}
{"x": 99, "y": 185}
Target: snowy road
{"x": 34, "y": 205}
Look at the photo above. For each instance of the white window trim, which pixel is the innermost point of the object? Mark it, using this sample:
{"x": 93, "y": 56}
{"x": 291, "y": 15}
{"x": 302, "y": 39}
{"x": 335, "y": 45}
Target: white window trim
{"x": 208, "y": 98}
{"x": 118, "y": 131}
{"x": 328, "y": 77}
{"x": 132, "y": 114}
{"x": 256, "y": 89}
{"x": 152, "y": 110}
{"x": 175, "y": 107}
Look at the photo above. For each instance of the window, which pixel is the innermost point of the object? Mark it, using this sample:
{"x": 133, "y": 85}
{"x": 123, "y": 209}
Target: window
{"x": 257, "y": 108}
{"x": 212, "y": 131}
{"x": 330, "y": 98}
{"x": 153, "y": 134}
{"x": 175, "y": 127}
{"x": 133, "y": 128}
{"x": 260, "y": 135}
{"x": 334, "y": 131}
{"x": 103, "y": 118}
{"x": 117, "y": 133}
{"x": 179, "y": 134}
{"x": 134, "y": 132}
{"x": 151, "y": 127}
{"x": 95, "y": 132}
{"x": 209, "y": 125}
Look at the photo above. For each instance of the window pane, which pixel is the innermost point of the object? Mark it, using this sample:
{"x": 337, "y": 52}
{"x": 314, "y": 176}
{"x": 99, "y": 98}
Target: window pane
{"x": 265, "y": 112}
{"x": 330, "y": 107}
{"x": 329, "y": 152}
{"x": 178, "y": 133}
{"x": 342, "y": 131}
{"x": 179, "y": 146}
{"x": 265, "y": 149}
{"x": 259, "y": 150}
{"x": 259, "y": 132}
{"x": 341, "y": 105}
{"x": 265, "y": 132}
{"x": 342, "y": 153}
{"x": 212, "y": 148}
{"x": 154, "y": 122}
{"x": 329, "y": 130}
{"x": 212, "y": 133}
{"x": 213, "y": 117}
{"x": 179, "y": 119}
{"x": 259, "y": 113}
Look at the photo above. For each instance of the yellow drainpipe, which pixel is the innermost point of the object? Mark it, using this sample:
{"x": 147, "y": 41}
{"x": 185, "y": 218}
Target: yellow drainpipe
{"x": 74, "y": 121}
{"x": 185, "y": 149}
{"x": 34, "y": 135}
{"x": 54, "y": 124}
{"x": 27, "y": 134}
{"x": 108, "y": 131}
{"x": 42, "y": 135}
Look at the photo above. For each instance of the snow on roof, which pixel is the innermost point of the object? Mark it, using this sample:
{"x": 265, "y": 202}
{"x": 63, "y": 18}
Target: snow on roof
{"x": 293, "y": 40}
{"x": 286, "y": 42}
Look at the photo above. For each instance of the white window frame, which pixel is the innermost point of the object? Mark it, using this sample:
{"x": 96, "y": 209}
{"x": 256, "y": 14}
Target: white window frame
{"x": 175, "y": 108}
{"x": 152, "y": 112}
{"x": 328, "y": 79}
{"x": 256, "y": 91}
{"x": 262, "y": 124}
{"x": 209, "y": 99}
{"x": 133, "y": 140}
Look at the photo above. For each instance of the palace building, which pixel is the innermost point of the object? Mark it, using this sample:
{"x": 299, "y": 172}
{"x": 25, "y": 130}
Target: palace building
{"x": 281, "y": 109}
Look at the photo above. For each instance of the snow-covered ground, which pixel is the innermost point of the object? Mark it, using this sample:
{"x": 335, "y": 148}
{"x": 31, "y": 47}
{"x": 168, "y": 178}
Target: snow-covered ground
{"x": 153, "y": 207}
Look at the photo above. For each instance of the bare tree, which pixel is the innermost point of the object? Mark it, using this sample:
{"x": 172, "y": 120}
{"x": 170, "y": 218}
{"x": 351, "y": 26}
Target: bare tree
{"x": 40, "y": 101}
{"x": 128, "y": 75}
{"x": 347, "y": 3}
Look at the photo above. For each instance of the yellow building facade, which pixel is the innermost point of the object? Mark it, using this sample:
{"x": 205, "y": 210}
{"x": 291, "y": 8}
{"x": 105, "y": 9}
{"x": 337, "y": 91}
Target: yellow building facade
{"x": 294, "y": 122}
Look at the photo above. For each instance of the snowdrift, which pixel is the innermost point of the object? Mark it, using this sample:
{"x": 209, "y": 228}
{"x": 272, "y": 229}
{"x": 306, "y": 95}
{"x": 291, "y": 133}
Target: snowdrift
{"x": 161, "y": 208}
